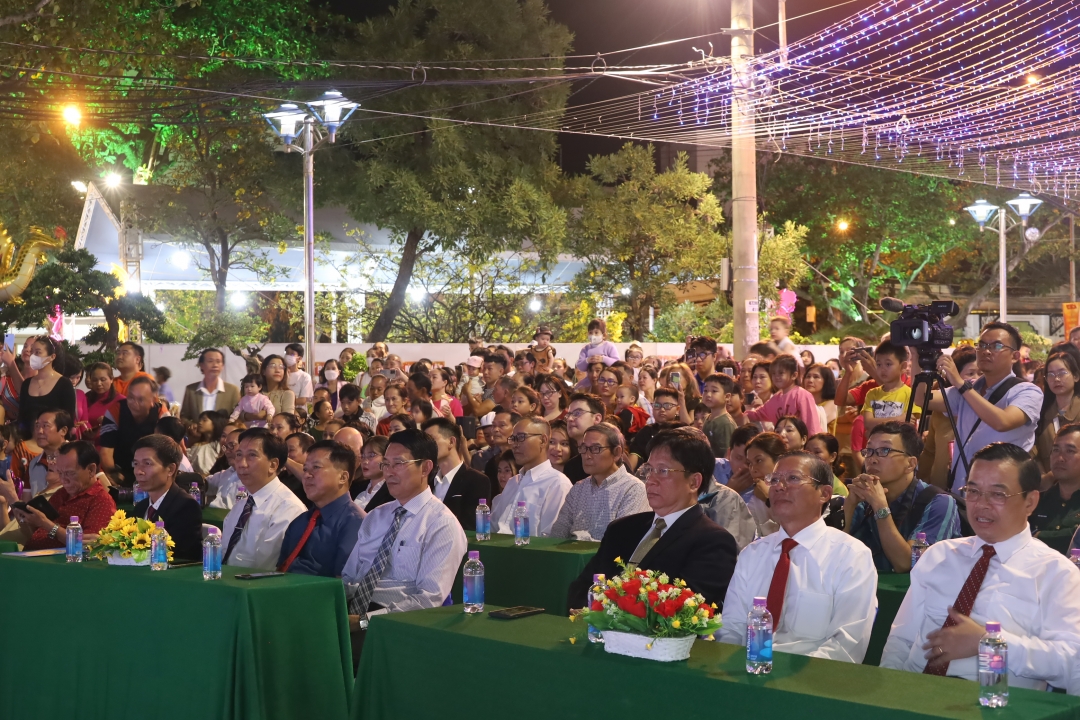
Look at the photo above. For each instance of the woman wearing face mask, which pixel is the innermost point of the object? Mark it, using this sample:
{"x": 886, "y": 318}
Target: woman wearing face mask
{"x": 330, "y": 378}
{"x": 47, "y": 389}
{"x": 599, "y": 348}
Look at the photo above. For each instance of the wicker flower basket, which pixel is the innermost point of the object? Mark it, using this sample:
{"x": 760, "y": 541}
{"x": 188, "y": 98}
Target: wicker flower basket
{"x": 639, "y": 646}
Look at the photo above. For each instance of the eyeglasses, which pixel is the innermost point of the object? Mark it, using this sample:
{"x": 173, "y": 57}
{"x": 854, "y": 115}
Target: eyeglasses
{"x": 993, "y": 497}
{"x": 788, "y": 481}
{"x": 522, "y": 437}
{"x": 880, "y": 452}
{"x": 634, "y": 357}
{"x": 1059, "y": 375}
{"x": 664, "y": 406}
{"x": 665, "y": 473}
{"x": 993, "y": 347}
{"x": 385, "y": 466}
{"x": 607, "y": 381}
{"x": 593, "y": 449}
{"x": 698, "y": 356}
{"x": 548, "y": 393}
{"x": 577, "y": 413}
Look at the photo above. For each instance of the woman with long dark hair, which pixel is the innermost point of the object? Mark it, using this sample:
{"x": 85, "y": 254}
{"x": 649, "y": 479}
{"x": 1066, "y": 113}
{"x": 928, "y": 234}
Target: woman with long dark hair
{"x": 1061, "y": 405}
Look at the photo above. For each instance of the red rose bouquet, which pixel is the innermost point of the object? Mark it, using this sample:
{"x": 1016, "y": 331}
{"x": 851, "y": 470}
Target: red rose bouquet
{"x": 644, "y": 602}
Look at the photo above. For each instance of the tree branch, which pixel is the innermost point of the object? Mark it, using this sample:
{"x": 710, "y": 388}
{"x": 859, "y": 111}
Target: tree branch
{"x": 30, "y": 15}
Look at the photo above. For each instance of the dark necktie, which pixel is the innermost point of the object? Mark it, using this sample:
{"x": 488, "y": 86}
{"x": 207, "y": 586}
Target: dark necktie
{"x": 151, "y": 514}
{"x": 359, "y": 594}
{"x": 239, "y": 529}
{"x": 778, "y": 586}
{"x": 965, "y": 601}
{"x": 303, "y": 540}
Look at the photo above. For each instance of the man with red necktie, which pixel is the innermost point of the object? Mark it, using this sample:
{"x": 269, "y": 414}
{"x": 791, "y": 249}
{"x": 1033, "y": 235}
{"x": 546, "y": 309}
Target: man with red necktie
{"x": 1003, "y": 575}
{"x": 820, "y": 583}
{"x": 319, "y": 541}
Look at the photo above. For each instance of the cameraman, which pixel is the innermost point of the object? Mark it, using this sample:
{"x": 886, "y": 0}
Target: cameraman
{"x": 998, "y": 407}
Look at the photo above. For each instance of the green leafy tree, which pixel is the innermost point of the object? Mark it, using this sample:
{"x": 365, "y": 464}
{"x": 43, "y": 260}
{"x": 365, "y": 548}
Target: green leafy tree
{"x": 425, "y": 164}
{"x": 640, "y": 231}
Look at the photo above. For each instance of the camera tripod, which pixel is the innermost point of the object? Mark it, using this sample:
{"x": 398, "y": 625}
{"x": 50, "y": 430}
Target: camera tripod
{"x": 928, "y": 376}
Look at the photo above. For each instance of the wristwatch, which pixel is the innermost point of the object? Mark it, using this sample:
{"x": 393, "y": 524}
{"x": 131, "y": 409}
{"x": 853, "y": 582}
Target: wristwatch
{"x": 52, "y": 533}
{"x": 883, "y": 513}
{"x": 965, "y": 387}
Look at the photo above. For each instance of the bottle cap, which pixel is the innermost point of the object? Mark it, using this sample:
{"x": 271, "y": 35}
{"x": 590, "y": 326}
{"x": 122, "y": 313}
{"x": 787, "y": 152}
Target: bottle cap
{"x": 761, "y": 602}
{"x": 920, "y": 536}
{"x": 213, "y": 531}
{"x": 1074, "y": 553}
{"x": 74, "y": 519}
{"x": 521, "y": 503}
{"x": 474, "y": 554}
{"x": 599, "y": 578}
{"x": 993, "y": 627}
{"x": 483, "y": 501}
{"x": 160, "y": 524}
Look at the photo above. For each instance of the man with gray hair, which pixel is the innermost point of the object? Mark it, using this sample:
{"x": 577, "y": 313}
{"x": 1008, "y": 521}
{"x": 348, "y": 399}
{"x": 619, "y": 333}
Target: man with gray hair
{"x": 820, "y": 583}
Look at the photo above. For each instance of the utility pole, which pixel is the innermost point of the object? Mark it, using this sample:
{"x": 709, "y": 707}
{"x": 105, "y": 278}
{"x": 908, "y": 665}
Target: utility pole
{"x": 744, "y": 251}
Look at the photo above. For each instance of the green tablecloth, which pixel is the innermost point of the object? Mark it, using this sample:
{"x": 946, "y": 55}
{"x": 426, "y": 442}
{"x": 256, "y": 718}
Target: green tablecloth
{"x": 891, "y": 590}
{"x": 529, "y": 669}
{"x": 6, "y": 546}
{"x": 536, "y": 574}
{"x": 93, "y": 641}
{"x": 210, "y": 516}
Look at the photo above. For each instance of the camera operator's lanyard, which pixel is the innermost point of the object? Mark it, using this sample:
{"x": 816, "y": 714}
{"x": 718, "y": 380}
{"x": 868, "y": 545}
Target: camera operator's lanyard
{"x": 995, "y": 397}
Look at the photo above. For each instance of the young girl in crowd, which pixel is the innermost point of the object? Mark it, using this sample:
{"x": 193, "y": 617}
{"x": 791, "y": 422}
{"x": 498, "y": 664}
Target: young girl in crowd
{"x": 507, "y": 469}
{"x": 525, "y": 402}
{"x": 206, "y": 447}
{"x": 562, "y": 447}
{"x": 827, "y": 447}
{"x": 321, "y": 414}
{"x": 254, "y": 408}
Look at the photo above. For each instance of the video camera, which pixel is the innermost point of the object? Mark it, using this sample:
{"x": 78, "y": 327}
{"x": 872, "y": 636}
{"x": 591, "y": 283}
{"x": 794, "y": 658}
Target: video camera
{"x": 922, "y": 327}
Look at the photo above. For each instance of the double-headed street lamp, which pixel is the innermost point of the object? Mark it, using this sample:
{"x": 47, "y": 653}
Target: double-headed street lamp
{"x": 983, "y": 211}
{"x": 291, "y": 121}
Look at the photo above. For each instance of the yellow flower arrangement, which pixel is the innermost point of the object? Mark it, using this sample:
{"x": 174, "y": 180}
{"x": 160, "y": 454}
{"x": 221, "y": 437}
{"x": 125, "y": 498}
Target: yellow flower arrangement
{"x": 127, "y": 537}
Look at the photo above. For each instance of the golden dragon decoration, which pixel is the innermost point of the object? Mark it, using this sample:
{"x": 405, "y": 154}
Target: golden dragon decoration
{"x": 17, "y": 264}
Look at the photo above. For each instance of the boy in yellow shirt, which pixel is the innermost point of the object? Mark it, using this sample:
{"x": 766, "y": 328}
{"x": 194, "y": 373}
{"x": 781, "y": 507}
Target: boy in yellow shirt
{"x": 888, "y": 402}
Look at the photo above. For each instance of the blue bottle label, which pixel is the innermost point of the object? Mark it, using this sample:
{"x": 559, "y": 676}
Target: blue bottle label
{"x": 473, "y": 590}
{"x": 758, "y": 645}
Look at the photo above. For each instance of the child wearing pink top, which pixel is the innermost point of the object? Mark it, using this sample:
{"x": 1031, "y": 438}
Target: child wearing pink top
{"x": 789, "y": 398}
{"x": 254, "y": 408}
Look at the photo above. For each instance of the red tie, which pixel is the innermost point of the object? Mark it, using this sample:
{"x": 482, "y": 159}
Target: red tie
{"x": 151, "y": 514}
{"x": 775, "y": 600}
{"x": 303, "y": 539}
{"x": 965, "y": 601}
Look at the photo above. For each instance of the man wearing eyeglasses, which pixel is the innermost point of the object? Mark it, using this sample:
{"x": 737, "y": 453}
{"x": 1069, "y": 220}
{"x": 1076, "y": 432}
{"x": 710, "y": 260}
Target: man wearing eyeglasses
{"x": 1002, "y": 574}
{"x": 542, "y": 487}
{"x": 675, "y": 537}
{"x": 584, "y": 411}
{"x": 408, "y": 551}
{"x": 820, "y": 584}
{"x": 665, "y": 417}
{"x": 702, "y": 358}
{"x": 887, "y": 506}
{"x": 1011, "y": 417}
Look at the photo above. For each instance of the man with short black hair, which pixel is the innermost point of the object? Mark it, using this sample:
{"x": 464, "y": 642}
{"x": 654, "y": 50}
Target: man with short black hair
{"x": 494, "y": 368}
{"x": 296, "y": 378}
{"x": 665, "y": 417}
{"x": 1002, "y": 574}
{"x": 130, "y": 364}
{"x": 418, "y": 387}
{"x": 502, "y": 427}
{"x": 887, "y": 506}
{"x": 254, "y": 529}
{"x": 820, "y": 583}
{"x": 676, "y": 537}
{"x": 350, "y": 406}
{"x": 459, "y": 487}
{"x": 212, "y": 392}
{"x": 319, "y": 541}
{"x": 52, "y": 429}
{"x": 1057, "y": 515}
{"x": 156, "y": 464}
{"x": 125, "y": 423}
{"x": 702, "y": 358}
{"x": 584, "y": 411}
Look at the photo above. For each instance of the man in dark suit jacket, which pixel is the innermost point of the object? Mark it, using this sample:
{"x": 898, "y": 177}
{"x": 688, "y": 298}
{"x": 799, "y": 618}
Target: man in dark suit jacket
{"x": 459, "y": 486}
{"x": 157, "y": 460}
{"x": 676, "y": 538}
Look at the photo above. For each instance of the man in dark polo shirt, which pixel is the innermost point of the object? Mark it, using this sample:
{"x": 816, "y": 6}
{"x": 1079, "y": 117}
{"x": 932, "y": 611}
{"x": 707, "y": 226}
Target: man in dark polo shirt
{"x": 1057, "y": 515}
{"x": 125, "y": 423}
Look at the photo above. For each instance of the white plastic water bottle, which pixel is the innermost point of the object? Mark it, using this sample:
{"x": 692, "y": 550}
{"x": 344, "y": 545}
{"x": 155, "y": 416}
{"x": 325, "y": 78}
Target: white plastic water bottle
{"x": 483, "y": 521}
{"x": 759, "y": 631}
{"x": 521, "y": 524}
{"x": 196, "y": 493}
{"x": 159, "y": 549}
{"x": 1074, "y": 556}
{"x": 138, "y": 494}
{"x": 211, "y": 555}
{"x": 918, "y": 548}
{"x": 241, "y": 493}
{"x": 473, "y": 583}
{"x": 595, "y": 592}
{"x": 993, "y": 668}
{"x": 74, "y": 540}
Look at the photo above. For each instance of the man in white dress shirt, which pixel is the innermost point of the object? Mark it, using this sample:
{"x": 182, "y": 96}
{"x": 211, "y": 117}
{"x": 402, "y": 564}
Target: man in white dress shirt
{"x": 408, "y": 551}
{"x": 253, "y": 529}
{"x": 1002, "y": 574}
{"x": 820, "y": 582}
{"x": 542, "y": 487}
{"x": 225, "y": 483}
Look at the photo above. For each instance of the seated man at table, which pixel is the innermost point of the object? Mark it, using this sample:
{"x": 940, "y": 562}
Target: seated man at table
{"x": 887, "y": 505}
{"x": 459, "y": 487}
{"x": 1002, "y": 574}
{"x": 820, "y": 582}
{"x": 607, "y": 494}
{"x": 224, "y": 484}
{"x": 80, "y": 495}
{"x": 675, "y": 537}
{"x": 538, "y": 484}
{"x": 319, "y": 541}
{"x": 408, "y": 551}
{"x": 253, "y": 530}
{"x": 156, "y": 464}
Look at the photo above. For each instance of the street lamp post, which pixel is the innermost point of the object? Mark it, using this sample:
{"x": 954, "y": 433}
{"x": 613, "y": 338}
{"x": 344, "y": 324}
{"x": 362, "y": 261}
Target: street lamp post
{"x": 289, "y": 121}
{"x": 982, "y": 211}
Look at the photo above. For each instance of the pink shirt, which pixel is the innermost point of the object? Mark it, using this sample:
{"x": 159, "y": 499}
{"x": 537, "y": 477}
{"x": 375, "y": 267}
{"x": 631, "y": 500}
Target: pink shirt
{"x": 796, "y": 401}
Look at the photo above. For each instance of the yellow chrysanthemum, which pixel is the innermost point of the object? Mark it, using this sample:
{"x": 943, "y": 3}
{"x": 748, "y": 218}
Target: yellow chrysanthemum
{"x": 676, "y": 624}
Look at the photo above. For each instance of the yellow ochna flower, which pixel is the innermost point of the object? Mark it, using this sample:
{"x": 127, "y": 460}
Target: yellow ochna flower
{"x": 618, "y": 559}
{"x": 676, "y": 624}
{"x": 714, "y": 606}
{"x": 573, "y": 640}
{"x": 649, "y": 646}
{"x": 573, "y": 618}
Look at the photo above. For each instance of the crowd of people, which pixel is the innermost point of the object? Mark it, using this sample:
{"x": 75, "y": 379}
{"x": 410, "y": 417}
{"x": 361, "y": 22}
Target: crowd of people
{"x": 770, "y": 475}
